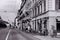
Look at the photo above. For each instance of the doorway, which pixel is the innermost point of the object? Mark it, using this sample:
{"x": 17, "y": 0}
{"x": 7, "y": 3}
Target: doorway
{"x": 58, "y": 26}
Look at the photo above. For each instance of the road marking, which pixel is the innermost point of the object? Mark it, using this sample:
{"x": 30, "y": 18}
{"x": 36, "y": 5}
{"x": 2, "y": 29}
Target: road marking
{"x": 8, "y": 35}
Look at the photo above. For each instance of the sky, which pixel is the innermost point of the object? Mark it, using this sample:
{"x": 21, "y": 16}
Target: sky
{"x": 11, "y": 6}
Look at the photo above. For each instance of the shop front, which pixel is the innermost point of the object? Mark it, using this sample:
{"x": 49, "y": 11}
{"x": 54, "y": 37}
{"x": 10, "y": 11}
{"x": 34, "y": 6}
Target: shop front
{"x": 40, "y": 25}
{"x": 44, "y": 25}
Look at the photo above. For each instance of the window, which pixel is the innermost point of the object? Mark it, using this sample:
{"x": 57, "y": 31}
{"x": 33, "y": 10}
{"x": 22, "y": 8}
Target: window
{"x": 33, "y": 0}
{"x": 38, "y": 10}
{"x": 44, "y": 5}
{"x": 59, "y": 4}
{"x": 27, "y": 13}
{"x": 40, "y": 7}
{"x": 33, "y": 12}
{"x": 21, "y": 12}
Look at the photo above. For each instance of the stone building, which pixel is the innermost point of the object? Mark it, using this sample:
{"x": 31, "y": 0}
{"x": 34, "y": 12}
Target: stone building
{"x": 42, "y": 14}
{"x": 22, "y": 14}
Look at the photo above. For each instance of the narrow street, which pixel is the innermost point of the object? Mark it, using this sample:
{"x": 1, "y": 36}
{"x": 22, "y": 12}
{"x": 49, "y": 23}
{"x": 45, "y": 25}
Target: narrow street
{"x": 29, "y": 19}
{"x": 19, "y": 35}
{"x": 13, "y": 34}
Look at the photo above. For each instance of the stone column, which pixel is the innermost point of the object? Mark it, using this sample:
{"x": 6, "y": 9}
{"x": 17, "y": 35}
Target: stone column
{"x": 37, "y": 27}
{"x": 42, "y": 25}
{"x": 52, "y": 21}
{"x": 31, "y": 24}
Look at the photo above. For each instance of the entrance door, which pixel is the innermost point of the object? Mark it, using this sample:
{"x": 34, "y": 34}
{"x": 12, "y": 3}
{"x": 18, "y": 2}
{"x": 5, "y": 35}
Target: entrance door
{"x": 58, "y": 26}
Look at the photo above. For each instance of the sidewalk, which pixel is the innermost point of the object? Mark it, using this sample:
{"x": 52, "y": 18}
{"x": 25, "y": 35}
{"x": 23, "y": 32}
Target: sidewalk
{"x": 38, "y": 36}
{"x": 47, "y": 37}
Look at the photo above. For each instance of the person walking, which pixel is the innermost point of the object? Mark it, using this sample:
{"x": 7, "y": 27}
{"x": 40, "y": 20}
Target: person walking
{"x": 54, "y": 32}
{"x": 45, "y": 32}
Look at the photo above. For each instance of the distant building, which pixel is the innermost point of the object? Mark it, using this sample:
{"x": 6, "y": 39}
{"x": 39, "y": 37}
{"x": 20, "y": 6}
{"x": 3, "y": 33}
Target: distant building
{"x": 3, "y": 24}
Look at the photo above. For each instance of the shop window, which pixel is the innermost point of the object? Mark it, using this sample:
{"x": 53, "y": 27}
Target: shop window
{"x": 45, "y": 24}
{"x": 35, "y": 25}
{"x": 39, "y": 24}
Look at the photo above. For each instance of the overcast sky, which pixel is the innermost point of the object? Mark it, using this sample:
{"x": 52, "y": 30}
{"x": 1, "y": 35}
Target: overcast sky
{"x": 11, "y": 6}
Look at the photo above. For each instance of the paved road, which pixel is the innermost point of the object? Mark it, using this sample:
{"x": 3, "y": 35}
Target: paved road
{"x": 3, "y": 33}
{"x": 19, "y": 35}
{"x": 13, "y": 34}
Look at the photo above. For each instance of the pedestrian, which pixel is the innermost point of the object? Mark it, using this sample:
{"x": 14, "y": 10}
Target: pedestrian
{"x": 29, "y": 27}
{"x": 54, "y": 32}
{"x": 45, "y": 32}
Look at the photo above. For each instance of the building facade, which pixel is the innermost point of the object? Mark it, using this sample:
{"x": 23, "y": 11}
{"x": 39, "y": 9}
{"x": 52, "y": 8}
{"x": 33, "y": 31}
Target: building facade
{"x": 41, "y": 14}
